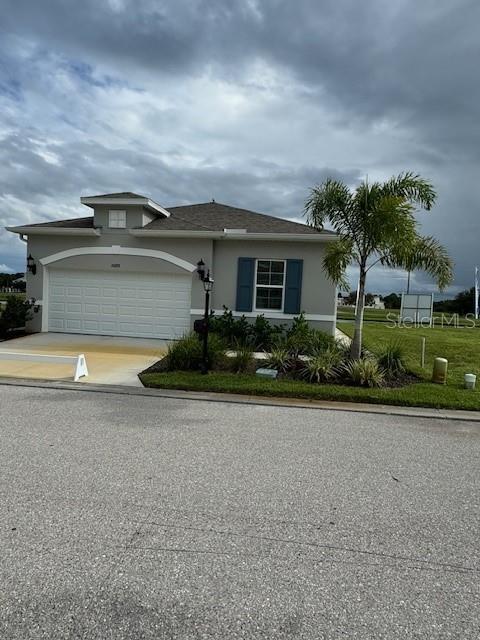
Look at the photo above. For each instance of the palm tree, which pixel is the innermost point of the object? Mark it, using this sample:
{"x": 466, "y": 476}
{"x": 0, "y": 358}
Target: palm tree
{"x": 376, "y": 224}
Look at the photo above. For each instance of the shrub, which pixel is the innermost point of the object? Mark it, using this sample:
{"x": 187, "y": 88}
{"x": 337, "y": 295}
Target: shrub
{"x": 230, "y": 330}
{"x": 391, "y": 359}
{"x": 298, "y": 335}
{"x": 186, "y": 354}
{"x": 280, "y": 359}
{"x": 263, "y": 334}
{"x": 14, "y": 315}
{"x": 322, "y": 366}
{"x": 301, "y": 339}
{"x": 299, "y": 327}
{"x": 243, "y": 360}
{"x": 363, "y": 373}
{"x": 259, "y": 334}
{"x": 319, "y": 341}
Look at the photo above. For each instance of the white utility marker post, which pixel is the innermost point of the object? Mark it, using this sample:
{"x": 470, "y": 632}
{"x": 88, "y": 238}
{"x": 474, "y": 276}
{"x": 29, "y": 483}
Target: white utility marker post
{"x": 422, "y": 357}
{"x": 476, "y": 293}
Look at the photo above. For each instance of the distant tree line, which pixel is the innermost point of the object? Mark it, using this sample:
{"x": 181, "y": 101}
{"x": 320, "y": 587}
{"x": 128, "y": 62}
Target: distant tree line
{"x": 463, "y": 303}
{"x": 392, "y": 301}
{"x": 7, "y": 281}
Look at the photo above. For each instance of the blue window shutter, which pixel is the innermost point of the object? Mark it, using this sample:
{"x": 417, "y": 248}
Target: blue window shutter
{"x": 293, "y": 286}
{"x": 245, "y": 274}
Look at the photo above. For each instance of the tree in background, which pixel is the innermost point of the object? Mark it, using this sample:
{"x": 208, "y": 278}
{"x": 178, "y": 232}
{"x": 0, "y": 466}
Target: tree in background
{"x": 351, "y": 298}
{"x": 369, "y": 299}
{"x": 392, "y": 301}
{"x": 376, "y": 225}
{"x": 463, "y": 303}
{"x": 8, "y": 281}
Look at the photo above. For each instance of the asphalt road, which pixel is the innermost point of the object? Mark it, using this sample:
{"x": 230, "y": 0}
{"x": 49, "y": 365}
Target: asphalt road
{"x": 137, "y": 517}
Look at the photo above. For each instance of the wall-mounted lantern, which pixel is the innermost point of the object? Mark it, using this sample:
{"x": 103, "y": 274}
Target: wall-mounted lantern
{"x": 31, "y": 266}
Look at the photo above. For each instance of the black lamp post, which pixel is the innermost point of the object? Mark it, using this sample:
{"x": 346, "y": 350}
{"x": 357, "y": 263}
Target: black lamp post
{"x": 207, "y": 286}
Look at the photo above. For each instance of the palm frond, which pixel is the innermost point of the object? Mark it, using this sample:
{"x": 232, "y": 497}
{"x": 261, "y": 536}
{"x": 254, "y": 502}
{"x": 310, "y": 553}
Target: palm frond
{"x": 390, "y": 219}
{"x": 427, "y": 254}
{"x": 338, "y": 256}
{"x": 332, "y": 201}
{"x": 412, "y": 187}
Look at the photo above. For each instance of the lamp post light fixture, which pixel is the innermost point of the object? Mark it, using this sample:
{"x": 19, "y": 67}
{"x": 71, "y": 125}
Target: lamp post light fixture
{"x": 31, "y": 266}
{"x": 207, "y": 281}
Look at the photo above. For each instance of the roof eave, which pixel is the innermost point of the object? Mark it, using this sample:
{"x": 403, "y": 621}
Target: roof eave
{"x": 58, "y": 231}
{"x": 221, "y": 235}
{"x": 282, "y": 237}
{"x": 174, "y": 233}
{"x": 143, "y": 202}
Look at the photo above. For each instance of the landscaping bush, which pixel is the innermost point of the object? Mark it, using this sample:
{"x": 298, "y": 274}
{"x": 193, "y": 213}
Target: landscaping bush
{"x": 298, "y": 336}
{"x": 186, "y": 354}
{"x": 243, "y": 360}
{"x": 363, "y": 373}
{"x": 301, "y": 339}
{"x": 14, "y": 315}
{"x": 231, "y": 331}
{"x": 322, "y": 366}
{"x": 261, "y": 334}
{"x": 320, "y": 341}
{"x": 392, "y": 359}
{"x": 265, "y": 335}
{"x": 280, "y": 359}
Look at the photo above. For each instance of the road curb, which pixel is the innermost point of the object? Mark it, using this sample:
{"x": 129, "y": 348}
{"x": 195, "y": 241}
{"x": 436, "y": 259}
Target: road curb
{"x": 289, "y": 403}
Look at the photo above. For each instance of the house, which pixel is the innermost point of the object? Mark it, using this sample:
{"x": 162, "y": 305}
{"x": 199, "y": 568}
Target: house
{"x": 130, "y": 268}
{"x": 377, "y": 302}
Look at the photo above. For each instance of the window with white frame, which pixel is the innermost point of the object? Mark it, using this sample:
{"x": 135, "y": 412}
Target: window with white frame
{"x": 117, "y": 219}
{"x": 269, "y": 284}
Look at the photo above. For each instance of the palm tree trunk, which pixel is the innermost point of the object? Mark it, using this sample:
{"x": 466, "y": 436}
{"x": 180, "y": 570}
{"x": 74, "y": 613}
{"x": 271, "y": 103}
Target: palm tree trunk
{"x": 356, "y": 347}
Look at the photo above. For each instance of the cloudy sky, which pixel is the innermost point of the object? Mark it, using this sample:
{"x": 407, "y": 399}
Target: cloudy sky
{"x": 250, "y": 102}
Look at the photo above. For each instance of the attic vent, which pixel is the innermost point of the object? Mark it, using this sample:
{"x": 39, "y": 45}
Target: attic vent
{"x": 234, "y": 231}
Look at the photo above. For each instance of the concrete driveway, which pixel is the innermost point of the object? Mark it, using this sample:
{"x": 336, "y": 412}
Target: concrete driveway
{"x": 110, "y": 360}
{"x": 145, "y": 517}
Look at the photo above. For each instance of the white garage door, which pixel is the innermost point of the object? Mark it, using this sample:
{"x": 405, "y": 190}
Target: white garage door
{"x": 141, "y": 305}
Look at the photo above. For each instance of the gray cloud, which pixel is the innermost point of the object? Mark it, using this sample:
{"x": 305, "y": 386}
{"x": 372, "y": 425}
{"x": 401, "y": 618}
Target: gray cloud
{"x": 251, "y": 103}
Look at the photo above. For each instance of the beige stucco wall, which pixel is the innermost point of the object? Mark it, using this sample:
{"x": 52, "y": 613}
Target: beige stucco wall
{"x": 136, "y": 216}
{"x": 318, "y": 294}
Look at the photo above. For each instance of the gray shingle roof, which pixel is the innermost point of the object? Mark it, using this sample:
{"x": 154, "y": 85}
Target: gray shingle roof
{"x": 213, "y": 216}
{"x": 209, "y": 216}
{"x": 120, "y": 194}
{"x": 73, "y": 223}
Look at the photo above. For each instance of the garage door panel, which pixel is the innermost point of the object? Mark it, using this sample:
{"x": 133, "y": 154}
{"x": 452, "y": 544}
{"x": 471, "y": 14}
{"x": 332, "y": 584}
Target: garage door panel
{"x": 72, "y": 324}
{"x": 127, "y": 293}
{"x": 92, "y": 291}
{"x": 109, "y": 309}
{"x": 57, "y": 306}
{"x": 137, "y": 305}
{"x": 56, "y": 324}
{"x": 92, "y": 308}
{"x": 108, "y": 327}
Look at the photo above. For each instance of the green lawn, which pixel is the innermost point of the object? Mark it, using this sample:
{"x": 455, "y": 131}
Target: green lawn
{"x": 4, "y": 296}
{"x": 377, "y": 315}
{"x": 386, "y": 315}
{"x": 460, "y": 346}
